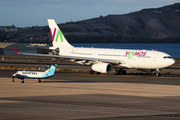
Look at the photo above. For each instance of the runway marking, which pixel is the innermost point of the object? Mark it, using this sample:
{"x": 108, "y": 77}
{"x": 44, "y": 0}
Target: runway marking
{"x": 126, "y": 91}
{"x": 93, "y": 109}
{"x": 9, "y": 101}
{"x": 136, "y": 76}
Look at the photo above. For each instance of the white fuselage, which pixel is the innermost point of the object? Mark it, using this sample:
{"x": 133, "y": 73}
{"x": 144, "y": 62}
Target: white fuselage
{"x": 143, "y": 59}
{"x": 30, "y": 74}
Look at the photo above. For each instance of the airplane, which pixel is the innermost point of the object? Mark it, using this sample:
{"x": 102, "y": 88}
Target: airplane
{"x": 105, "y": 60}
{"x": 34, "y": 74}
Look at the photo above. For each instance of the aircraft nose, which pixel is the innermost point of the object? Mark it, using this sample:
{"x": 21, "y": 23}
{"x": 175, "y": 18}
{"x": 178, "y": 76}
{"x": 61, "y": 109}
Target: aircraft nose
{"x": 169, "y": 62}
{"x": 172, "y": 62}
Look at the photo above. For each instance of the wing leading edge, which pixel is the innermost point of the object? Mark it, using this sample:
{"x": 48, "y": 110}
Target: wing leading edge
{"x": 75, "y": 58}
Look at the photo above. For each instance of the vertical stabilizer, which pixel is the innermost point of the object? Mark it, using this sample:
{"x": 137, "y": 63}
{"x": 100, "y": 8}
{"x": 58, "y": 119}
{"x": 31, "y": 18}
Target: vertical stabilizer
{"x": 58, "y": 39}
{"x": 50, "y": 71}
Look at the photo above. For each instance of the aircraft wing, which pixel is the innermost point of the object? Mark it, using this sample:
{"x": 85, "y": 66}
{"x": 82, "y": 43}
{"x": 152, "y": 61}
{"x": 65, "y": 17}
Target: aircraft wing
{"x": 75, "y": 58}
{"x": 21, "y": 76}
{"x": 43, "y": 47}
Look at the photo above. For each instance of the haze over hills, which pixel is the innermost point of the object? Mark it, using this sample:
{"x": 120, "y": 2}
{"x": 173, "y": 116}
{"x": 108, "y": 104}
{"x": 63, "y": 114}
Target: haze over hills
{"x": 148, "y": 25}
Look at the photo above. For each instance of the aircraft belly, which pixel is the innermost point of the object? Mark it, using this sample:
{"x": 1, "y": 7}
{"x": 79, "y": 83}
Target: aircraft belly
{"x": 122, "y": 66}
{"x": 158, "y": 64}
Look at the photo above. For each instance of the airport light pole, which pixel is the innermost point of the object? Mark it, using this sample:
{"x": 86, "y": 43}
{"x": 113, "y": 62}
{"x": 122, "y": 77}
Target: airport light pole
{"x": 31, "y": 39}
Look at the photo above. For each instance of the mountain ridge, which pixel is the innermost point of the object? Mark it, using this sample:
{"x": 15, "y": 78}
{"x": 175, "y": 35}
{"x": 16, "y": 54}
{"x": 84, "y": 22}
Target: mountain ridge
{"x": 153, "y": 25}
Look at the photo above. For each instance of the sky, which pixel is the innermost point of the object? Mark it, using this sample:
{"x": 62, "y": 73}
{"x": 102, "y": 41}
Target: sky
{"x": 27, "y": 13}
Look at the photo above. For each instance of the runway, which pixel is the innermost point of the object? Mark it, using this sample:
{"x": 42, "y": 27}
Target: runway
{"x": 90, "y": 97}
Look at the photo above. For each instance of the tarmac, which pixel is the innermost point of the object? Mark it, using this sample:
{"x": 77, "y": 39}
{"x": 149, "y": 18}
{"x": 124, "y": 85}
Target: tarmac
{"x": 77, "y": 96}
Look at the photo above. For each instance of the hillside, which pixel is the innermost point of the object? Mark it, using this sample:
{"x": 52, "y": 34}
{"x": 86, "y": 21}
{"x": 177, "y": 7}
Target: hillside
{"x": 148, "y": 25}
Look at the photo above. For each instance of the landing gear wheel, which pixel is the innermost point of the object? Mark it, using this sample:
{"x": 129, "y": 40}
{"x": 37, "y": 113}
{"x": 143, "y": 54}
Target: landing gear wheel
{"x": 22, "y": 81}
{"x": 13, "y": 79}
{"x": 91, "y": 72}
{"x": 94, "y": 72}
{"x": 124, "y": 72}
{"x": 120, "y": 72}
{"x": 39, "y": 80}
{"x": 98, "y": 73}
{"x": 158, "y": 74}
{"x": 116, "y": 72}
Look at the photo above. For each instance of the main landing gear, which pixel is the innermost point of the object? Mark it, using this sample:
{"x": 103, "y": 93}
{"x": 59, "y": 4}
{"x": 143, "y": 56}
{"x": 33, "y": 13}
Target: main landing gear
{"x": 120, "y": 72}
{"x": 13, "y": 79}
{"x": 94, "y": 72}
{"x": 39, "y": 80}
{"x": 22, "y": 80}
{"x": 19, "y": 78}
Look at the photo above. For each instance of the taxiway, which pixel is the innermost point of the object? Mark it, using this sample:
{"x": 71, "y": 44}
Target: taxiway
{"x": 91, "y": 97}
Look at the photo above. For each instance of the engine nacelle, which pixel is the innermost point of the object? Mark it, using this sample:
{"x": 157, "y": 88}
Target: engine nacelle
{"x": 102, "y": 67}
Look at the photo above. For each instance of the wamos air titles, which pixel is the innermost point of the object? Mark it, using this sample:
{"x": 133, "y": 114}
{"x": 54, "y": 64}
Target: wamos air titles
{"x": 34, "y": 74}
{"x": 104, "y": 60}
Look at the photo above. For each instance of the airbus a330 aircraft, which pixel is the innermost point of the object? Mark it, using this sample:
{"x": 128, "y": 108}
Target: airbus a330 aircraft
{"x": 34, "y": 74}
{"x": 104, "y": 60}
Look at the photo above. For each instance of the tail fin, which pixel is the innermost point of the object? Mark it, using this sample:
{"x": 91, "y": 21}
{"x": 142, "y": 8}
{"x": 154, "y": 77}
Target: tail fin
{"x": 51, "y": 70}
{"x": 58, "y": 39}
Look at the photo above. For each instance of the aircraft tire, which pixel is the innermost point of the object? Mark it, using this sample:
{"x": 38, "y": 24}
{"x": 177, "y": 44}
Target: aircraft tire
{"x": 13, "y": 79}
{"x": 98, "y": 73}
{"x": 91, "y": 72}
{"x": 39, "y": 80}
{"x": 116, "y": 72}
{"x": 124, "y": 72}
{"x": 22, "y": 81}
{"x": 120, "y": 72}
{"x": 158, "y": 74}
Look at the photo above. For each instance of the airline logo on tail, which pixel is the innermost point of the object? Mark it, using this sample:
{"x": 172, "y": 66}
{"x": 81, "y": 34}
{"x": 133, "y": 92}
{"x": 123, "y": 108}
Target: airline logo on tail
{"x": 58, "y": 34}
{"x": 58, "y": 39}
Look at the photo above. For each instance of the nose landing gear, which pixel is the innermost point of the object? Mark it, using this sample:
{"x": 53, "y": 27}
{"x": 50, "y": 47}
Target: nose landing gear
{"x": 158, "y": 72}
{"x": 13, "y": 79}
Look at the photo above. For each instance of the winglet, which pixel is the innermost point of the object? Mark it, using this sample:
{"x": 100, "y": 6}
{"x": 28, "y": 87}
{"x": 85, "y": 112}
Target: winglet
{"x": 15, "y": 50}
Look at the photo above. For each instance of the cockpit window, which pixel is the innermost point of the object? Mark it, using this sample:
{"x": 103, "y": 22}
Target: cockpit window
{"x": 166, "y": 57}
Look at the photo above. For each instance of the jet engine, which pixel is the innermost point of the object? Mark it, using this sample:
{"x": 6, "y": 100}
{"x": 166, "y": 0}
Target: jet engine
{"x": 102, "y": 67}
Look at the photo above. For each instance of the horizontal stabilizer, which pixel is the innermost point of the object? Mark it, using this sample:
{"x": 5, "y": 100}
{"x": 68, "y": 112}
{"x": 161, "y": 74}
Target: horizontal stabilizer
{"x": 15, "y": 51}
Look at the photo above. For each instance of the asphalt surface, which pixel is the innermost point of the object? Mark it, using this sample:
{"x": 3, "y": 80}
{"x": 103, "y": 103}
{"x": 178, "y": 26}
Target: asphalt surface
{"x": 44, "y": 64}
{"x": 71, "y": 95}
{"x": 78, "y": 95}
{"x": 72, "y": 66}
{"x": 144, "y": 78}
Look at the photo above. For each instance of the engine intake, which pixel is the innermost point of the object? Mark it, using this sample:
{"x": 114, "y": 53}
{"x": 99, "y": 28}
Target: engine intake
{"x": 102, "y": 67}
